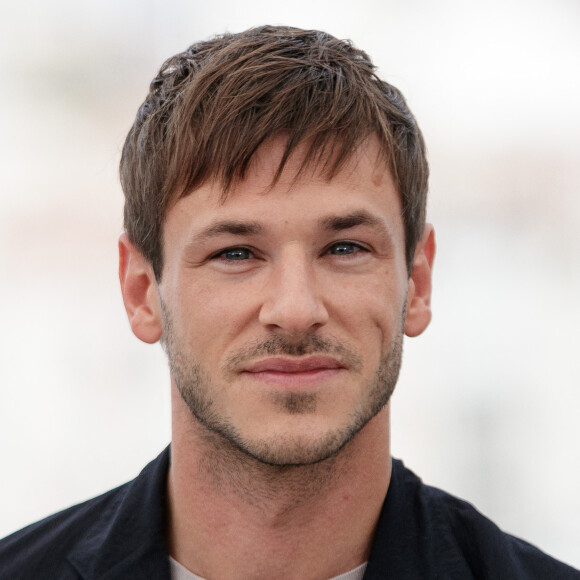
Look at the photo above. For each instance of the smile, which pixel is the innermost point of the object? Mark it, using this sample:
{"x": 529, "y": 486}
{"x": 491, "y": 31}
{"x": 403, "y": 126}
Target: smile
{"x": 292, "y": 373}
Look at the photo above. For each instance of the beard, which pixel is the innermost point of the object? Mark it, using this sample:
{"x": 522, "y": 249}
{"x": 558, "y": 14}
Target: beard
{"x": 196, "y": 386}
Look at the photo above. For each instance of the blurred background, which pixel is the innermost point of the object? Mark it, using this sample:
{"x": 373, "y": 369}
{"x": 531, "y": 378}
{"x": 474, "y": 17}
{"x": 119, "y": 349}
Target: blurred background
{"x": 488, "y": 402}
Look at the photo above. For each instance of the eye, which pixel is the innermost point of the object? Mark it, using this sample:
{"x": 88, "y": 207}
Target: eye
{"x": 345, "y": 248}
{"x": 234, "y": 254}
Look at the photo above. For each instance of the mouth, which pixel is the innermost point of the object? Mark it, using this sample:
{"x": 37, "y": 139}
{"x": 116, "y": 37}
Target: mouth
{"x": 295, "y": 372}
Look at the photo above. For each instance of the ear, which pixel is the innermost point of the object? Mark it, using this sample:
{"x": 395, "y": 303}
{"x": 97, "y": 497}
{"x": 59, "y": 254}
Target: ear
{"x": 139, "y": 289}
{"x": 419, "y": 293}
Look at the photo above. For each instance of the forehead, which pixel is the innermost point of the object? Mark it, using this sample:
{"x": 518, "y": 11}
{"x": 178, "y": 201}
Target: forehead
{"x": 303, "y": 192}
{"x": 367, "y": 160}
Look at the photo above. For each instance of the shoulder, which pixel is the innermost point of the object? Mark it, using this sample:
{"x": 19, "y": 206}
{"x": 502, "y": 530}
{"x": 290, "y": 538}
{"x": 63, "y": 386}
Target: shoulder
{"x": 456, "y": 536}
{"x": 86, "y": 540}
{"x": 42, "y": 548}
{"x": 490, "y": 551}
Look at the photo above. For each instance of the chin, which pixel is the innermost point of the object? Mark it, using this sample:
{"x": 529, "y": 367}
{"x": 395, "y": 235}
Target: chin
{"x": 293, "y": 451}
{"x": 309, "y": 445}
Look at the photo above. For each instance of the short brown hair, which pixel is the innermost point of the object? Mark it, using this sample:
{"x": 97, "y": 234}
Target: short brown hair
{"x": 211, "y": 107}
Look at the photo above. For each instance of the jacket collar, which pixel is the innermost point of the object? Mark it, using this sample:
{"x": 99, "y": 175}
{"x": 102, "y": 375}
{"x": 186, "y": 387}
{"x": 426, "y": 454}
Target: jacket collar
{"x": 127, "y": 541}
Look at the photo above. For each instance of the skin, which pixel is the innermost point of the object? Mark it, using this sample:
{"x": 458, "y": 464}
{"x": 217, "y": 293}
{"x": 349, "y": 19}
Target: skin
{"x": 281, "y": 470}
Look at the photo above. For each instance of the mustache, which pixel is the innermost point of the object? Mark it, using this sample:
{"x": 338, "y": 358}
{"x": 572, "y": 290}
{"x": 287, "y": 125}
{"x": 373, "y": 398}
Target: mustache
{"x": 277, "y": 345}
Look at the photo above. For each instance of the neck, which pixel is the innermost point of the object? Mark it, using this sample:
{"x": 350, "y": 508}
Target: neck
{"x": 232, "y": 516}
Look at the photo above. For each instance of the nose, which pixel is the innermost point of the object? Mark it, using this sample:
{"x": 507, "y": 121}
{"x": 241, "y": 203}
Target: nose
{"x": 293, "y": 305}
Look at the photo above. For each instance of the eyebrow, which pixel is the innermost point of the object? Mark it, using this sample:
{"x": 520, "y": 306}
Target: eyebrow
{"x": 236, "y": 228}
{"x": 344, "y": 222}
{"x": 333, "y": 223}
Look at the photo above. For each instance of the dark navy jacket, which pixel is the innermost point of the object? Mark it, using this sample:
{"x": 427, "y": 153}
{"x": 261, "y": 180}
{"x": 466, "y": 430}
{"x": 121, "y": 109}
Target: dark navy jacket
{"x": 423, "y": 533}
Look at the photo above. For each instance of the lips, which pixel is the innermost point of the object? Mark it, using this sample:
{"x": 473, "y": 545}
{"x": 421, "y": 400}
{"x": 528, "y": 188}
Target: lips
{"x": 295, "y": 366}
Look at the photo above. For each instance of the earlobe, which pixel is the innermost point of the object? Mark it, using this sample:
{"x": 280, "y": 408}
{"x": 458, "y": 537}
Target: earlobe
{"x": 139, "y": 289}
{"x": 419, "y": 293}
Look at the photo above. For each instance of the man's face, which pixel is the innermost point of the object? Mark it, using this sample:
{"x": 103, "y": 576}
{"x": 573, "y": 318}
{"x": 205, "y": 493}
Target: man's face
{"x": 283, "y": 309}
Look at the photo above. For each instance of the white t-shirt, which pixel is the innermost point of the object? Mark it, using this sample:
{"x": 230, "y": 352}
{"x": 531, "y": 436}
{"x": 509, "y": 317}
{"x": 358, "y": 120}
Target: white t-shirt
{"x": 179, "y": 572}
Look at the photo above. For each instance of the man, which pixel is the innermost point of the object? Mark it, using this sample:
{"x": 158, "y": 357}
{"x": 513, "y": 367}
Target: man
{"x": 276, "y": 245}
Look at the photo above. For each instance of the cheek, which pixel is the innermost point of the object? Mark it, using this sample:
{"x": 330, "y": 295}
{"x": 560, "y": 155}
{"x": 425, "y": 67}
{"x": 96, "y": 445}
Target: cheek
{"x": 211, "y": 315}
{"x": 379, "y": 320}
{"x": 375, "y": 303}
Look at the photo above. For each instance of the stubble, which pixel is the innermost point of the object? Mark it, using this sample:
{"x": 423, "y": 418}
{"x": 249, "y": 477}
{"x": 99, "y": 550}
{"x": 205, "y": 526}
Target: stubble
{"x": 195, "y": 386}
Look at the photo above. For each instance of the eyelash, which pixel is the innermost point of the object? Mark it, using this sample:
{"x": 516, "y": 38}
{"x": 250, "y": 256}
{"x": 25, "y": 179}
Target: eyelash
{"x": 356, "y": 248}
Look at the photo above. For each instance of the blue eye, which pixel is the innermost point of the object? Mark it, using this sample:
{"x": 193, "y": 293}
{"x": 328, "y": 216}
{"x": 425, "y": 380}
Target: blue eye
{"x": 344, "y": 248}
{"x": 235, "y": 254}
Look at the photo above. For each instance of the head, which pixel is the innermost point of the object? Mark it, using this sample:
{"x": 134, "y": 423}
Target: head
{"x": 211, "y": 107}
{"x": 275, "y": 207}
